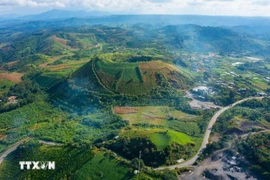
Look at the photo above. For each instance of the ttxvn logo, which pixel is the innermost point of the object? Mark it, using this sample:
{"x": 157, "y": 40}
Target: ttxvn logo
{"x": 37, "y": 165}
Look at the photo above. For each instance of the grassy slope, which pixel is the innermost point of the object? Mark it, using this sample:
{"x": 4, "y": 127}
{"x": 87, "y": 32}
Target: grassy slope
{"x": 160, "y": 137}
{"x": 103, "y": 167}
{"x": 136, "y": 78}
{"x": 5, "y": 85}
{"x": 121, "y": 77}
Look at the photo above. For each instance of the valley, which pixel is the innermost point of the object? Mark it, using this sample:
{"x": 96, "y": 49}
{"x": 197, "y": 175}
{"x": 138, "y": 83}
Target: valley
{"x": 107, "y": 101}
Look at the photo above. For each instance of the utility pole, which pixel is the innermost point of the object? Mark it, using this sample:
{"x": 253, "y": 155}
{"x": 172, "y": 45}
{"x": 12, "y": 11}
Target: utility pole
{"x": 140, "y": 154}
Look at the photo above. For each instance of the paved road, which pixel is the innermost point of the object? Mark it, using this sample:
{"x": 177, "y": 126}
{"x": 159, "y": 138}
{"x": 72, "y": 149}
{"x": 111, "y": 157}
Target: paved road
{"x": 213, "y": 120}
{"x": 209, "y": 164}
{"x": 184, "y": 164}
{"x": 14, "y": 147}
{"x": 50, "y": 143}
{"x": 11, "y": 149}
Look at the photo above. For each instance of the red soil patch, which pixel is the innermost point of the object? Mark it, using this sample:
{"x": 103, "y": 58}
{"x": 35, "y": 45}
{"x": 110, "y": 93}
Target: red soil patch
{"x": 62, "y": 41}
{"x": 15, "y": 77}
{"x": 3, "y": 136}
{"x": 60, "y": 67}
{"x": 106, "y": 79}
{"x": 147, "y": 116}
{"x": 150, "y": 68}
{"x": 158, "y": 65}
{"x": 125, "y": 110}
{"x": 151, "y": 65}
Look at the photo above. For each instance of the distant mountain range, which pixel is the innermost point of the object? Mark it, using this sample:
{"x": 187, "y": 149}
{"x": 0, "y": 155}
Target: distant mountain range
{"x": 55, "y": 14}
{"x": 65, "y": 18}
{"x": 8, "y": 16}
{"x": 63, "y": 14}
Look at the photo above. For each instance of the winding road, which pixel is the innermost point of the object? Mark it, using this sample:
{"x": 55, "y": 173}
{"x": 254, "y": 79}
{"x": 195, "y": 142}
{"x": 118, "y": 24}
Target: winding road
{"x": 14, "y": 147}
{"x": 213, "y": 120}
{"x": 11, "y": 149}
{"x": 184, "y": 164}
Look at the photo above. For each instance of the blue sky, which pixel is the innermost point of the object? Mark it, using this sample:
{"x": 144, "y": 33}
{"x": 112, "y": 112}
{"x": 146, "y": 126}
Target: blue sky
{"x": 207, "y": 7}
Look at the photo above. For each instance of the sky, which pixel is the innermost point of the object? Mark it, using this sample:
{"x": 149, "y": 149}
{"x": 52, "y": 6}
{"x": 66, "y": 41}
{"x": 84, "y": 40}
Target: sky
{"x": 202, "y": 7}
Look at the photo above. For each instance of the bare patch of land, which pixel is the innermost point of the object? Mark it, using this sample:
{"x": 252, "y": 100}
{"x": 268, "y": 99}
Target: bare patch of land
{"x": 219, "y": 166}
{"x": 196, "y": 104}
{"x": 125, "y": 110}
{"x": 63, "y": 42}
{"x": 14, "y": 77}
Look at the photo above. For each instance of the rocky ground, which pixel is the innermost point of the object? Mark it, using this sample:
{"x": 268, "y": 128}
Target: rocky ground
{"x": 220, "y": 166}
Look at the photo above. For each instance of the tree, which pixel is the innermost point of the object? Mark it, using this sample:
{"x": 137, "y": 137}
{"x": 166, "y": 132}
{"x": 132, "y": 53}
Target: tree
{"x": 135, "y": 163}
{"x": 169, "y": 175}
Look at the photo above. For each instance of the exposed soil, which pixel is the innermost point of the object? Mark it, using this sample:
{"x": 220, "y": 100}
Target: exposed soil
{"x": 63, "y": 42}
{"x": 147, "y": 116}
{"x": 14, "y": 77}
{"x": 125, "y": 110}
{"x": 219, "y": 166}
{"x": 250, "y": 125}
{"x": 3, "y": 136}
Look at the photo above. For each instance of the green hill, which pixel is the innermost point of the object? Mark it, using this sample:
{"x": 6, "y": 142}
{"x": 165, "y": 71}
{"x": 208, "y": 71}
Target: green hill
{"x": 125, "y": 78}
{"x": 137, "y": 78}
{"x": 103, "y": 82}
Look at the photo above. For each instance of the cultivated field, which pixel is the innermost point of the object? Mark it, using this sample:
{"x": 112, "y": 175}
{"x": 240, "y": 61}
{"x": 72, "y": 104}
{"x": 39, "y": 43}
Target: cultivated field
{"x": 136, "y": 78}
{"x": 14, "y": 77}
{"x": 163, "y": 125}
{"x": 155, "y": 115}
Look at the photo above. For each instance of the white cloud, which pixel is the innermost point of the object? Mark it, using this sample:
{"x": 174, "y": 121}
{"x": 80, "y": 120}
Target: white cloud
{"x": 33, "y": 3}
{"x": 209, "y": 7}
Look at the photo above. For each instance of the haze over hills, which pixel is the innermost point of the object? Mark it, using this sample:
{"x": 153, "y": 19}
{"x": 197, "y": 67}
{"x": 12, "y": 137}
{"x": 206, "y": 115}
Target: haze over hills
{"x": 63, "y": 14}
{"x": 80, "y": 18}
{"x": 96, "y": 91}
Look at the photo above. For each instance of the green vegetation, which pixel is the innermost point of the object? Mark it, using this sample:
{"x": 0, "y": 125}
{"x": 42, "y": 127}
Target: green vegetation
{"x": 70, "y": 162}
{"x": 103, "y": 166}
{"x": 63, "y": 156}
{"x": 46, "y": 81}
{"x": 156, "y": 175}
{"x": 5, "y": 85}
{"x": 17, "y": 124}
{"x": 246, "y": 117}
{"x": 161, "y": 138}
{"x": 256, "y": 149}
{"x": 135, "y": 78}
{"x": 164, "y": 127}
{"x": 122, "y": 88}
